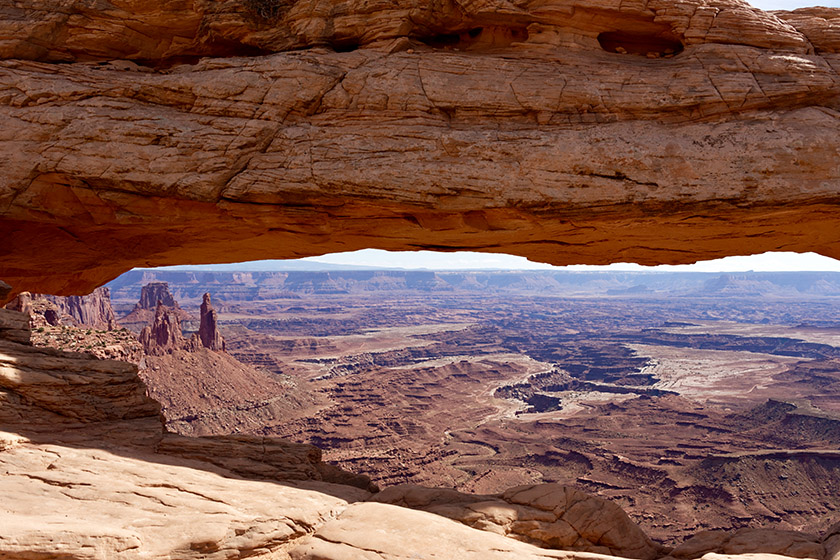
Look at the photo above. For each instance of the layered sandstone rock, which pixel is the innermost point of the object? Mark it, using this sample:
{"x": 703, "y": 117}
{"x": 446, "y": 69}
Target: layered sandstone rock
{"x": 831, "y": 541}
{"x": 374, "y": 531}
{"x": 70, "y": 384}
{"x": 568, "y": 131}
{"x": 87, "y": 471}
{"x": 163, "y": 335}
{"x": 208, "y": 332}
{"x": 154, "y": 294}
{"x": 145, "y": 310}
{"x": 92, "y": 311}
{"x": 71, "y": 501}
{"x": 14, "y": 326}
{"x": 78, "y": 323}
{"x": 154, "y": 32}
{"x": 548, "y": 515}
{"x": 785, "y": 543}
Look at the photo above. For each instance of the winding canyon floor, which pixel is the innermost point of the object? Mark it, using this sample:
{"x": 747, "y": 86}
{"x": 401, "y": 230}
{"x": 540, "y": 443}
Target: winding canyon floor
{"x": 693, "y": 412}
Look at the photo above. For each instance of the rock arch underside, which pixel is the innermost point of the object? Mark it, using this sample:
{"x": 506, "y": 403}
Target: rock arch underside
{"x": 154, "y": 133}
{"x": 146, "y": 133}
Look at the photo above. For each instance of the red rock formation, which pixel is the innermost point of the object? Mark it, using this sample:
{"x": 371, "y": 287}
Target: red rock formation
{"x": 208, "y": 332}
{"x": 92, "y": 311}
{"x": 164, "y": 335}
{"x": 14, "y": 325}
{"x": 566, "y": 131}
{"x": 155, "y": 293}
{"x": 83, "y": 457}
{"x": 83, "y": 465}
{"x": 144, "y": 312}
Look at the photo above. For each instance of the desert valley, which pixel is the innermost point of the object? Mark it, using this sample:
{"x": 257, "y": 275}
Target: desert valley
{"x": 695, "y": 401}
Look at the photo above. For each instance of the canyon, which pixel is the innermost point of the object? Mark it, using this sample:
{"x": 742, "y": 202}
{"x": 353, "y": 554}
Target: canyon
{"x": 568, "y": 131}
{"x": 444, "y": 404}
{"x": 628, "y": 386}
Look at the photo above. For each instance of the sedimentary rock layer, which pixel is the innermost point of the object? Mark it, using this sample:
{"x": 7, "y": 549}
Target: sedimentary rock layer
{"x": 564, "y": 131}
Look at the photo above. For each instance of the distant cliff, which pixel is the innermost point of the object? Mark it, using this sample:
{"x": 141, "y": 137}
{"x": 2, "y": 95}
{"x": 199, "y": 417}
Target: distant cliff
{"x": 266, "y": 285}
{"x": 93, "y": 310}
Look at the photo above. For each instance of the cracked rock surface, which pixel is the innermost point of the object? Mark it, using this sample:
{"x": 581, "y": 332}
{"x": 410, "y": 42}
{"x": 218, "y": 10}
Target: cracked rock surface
{"x": 548, "y": 515}
{"x": 567, "y": 131}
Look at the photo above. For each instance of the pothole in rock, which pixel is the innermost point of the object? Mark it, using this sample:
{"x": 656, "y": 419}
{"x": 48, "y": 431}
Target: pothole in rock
{"x": 645, "y": 44}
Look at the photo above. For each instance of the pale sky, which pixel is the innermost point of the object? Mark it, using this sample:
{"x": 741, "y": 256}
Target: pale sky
{"x": 466, "y": 260}
{"x": 790, "y": 5}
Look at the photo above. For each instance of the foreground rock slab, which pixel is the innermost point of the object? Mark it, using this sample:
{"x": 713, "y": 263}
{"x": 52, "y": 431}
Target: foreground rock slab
{"x": 374, "y": 531}
{"x": 547, "y": 515}
{"x": 92, "y": 503}
{"x": 86, "y": 470}
{"x": 371, "y": 531}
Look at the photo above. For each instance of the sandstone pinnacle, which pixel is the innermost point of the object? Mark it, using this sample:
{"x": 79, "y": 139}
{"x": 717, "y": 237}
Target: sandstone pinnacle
{"x": 207, "y": 332}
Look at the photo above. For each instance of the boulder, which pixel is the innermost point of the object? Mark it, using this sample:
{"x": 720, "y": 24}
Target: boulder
{"x": 765, "y": 541}
{"x": 546, "y": 515}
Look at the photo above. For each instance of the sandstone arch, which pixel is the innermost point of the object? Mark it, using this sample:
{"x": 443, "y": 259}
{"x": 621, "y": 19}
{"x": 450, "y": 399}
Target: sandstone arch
{"x": 158, "y": 133}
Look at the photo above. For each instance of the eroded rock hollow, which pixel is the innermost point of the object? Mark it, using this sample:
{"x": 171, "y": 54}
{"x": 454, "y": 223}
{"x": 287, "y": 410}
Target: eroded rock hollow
{"x": 153, "y": 133}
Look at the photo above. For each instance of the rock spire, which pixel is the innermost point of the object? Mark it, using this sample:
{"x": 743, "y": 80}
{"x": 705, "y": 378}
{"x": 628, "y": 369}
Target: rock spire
{"x": 164, "y": 335}
{"x": 208, "y": 331}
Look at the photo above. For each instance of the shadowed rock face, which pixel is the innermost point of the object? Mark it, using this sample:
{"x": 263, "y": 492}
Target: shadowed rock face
{"x": 93, "y": 310}
{"x": 565, "y": 131}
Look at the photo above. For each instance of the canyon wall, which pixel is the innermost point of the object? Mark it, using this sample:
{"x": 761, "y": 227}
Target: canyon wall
{"x": 93, "y": 310}
{"x": 567, "y": 131}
